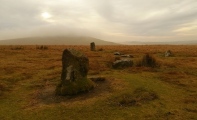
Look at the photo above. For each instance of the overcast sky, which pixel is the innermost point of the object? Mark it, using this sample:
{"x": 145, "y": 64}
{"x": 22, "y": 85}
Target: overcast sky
{"x": 112, "y": 20}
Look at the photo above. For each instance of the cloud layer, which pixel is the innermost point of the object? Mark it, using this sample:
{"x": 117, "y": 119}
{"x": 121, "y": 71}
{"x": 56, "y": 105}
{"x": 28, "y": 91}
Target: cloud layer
{"x": 113, "y": 20}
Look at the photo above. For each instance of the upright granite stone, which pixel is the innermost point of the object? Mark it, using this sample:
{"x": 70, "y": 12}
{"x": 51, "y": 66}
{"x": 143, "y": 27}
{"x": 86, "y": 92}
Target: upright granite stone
{"x": 75, "y": 66}
{"x": 92, "y": 46}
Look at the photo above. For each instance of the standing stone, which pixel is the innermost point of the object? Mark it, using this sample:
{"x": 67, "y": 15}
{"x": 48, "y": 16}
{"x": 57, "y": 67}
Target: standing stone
{"x": 92, "y": 46}
{"x": 74, "y": 73}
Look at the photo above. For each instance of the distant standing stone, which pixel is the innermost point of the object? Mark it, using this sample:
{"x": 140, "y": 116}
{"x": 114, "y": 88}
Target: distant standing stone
{"x": 75, "y": 67}
{"x": 92, "y": 46}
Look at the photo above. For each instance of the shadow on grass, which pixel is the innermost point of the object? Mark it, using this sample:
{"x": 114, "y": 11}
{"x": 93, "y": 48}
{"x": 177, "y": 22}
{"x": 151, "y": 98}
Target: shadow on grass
{"x": 47, "y": 95}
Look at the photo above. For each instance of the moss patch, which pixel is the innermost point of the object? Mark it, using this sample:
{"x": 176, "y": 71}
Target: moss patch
{"x": 73, "y": 88}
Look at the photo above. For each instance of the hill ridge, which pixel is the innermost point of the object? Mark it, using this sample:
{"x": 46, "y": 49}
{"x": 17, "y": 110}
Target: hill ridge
{"x": 56, "y": 40}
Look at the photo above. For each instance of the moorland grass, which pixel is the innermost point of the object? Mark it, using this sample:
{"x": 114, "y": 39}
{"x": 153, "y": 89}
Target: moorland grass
{"x": 32, "y": 76}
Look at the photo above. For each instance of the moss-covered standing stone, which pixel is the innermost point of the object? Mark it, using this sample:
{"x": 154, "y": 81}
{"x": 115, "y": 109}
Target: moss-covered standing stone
{"x": 75, "y": 66}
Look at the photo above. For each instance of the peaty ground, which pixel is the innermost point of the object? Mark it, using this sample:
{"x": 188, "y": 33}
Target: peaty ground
{"x": 29, "y": 76}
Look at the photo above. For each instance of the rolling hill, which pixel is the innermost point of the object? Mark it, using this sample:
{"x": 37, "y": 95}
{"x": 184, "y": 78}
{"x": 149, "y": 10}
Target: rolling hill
{"x": 57, "y": 40}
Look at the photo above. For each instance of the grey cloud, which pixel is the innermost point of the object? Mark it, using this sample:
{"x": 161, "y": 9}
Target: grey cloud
{"x": 176, "y": 13}
{"x": 18, "y": 13}
{"x": 105, "y": 8}
{"x": 97, "y": 18}
{"x": 165, "y": 24}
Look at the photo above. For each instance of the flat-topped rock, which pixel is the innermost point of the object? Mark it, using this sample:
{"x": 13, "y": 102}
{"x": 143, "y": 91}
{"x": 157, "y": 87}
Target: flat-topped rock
{"x": 123, "y": 63}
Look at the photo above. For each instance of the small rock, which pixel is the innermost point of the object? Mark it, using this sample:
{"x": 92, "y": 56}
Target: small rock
{"x": 129, "y": 56}
{"x": 168, "y": 53}
{"x": 117, "y": 53}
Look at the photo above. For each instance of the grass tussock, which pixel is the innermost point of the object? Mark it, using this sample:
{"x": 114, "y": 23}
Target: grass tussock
{"x": 138, "y": 97}
{"x": 18, "y": 48}
{"x": 148, "y": 61}
{"x": 42, "y": 47}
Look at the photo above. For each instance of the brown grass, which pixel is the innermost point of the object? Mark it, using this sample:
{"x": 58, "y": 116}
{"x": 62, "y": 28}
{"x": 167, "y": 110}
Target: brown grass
{"x": 28, "y": 78}
{"x": 2, "y": 88}
{"x": 138, "y": 97}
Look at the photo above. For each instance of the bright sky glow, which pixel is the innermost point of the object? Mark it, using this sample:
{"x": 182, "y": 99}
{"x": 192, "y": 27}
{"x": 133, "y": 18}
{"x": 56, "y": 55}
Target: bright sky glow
{"x": 46, "y": 15}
